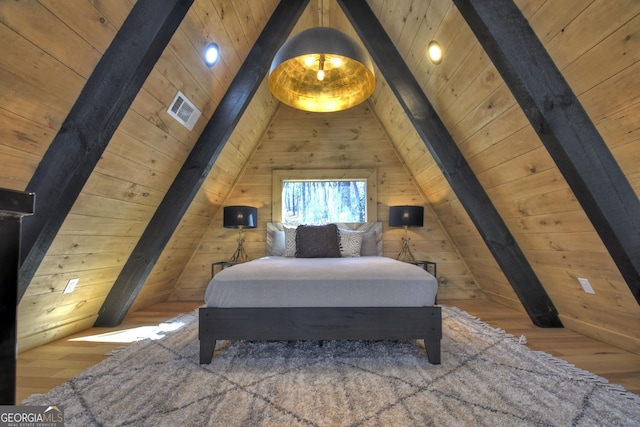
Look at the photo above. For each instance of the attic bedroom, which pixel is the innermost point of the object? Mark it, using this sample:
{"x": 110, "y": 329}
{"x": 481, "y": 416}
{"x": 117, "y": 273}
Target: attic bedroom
{"x": 521, "y": 145}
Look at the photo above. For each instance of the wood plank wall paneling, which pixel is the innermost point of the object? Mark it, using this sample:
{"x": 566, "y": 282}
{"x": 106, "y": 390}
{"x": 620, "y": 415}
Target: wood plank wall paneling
{"x": 596, "y": 47}
{"x": 351, "y": 139}
{"x": 51, "y": 47}
{"x": 437, "y": 191}
{"x": 221, "y": 179}
{"x": 57, "y": 44}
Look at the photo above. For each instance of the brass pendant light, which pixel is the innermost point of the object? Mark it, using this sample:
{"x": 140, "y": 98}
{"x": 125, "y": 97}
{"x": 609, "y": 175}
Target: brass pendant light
{"x": 321, "y": 70}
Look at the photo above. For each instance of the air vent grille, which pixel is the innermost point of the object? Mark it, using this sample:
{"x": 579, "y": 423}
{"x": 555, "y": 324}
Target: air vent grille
{"x": 184, "y": 111}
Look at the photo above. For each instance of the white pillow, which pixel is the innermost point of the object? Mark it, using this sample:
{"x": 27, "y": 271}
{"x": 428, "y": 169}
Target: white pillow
{"x": 350, "y": 242}
{"x": 275, "y": 243}
{"x": 369, "y": 244}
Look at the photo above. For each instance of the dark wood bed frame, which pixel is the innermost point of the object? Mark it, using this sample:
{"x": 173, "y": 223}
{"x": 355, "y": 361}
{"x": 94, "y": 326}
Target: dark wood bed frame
{"x": 320, "y": 323}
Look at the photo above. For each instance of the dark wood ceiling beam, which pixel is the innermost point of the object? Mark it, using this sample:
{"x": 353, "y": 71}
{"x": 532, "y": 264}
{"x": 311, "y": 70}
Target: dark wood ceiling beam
{"x": 453, "y": 165}
{"x": 564, "y": 128}
{"x": 92, "y": 121}
{"x": 199, "y": 162}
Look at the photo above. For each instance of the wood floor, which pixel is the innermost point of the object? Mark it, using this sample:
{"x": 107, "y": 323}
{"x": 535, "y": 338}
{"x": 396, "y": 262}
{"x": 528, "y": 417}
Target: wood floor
{"x": 616, "y": 365}
{"x": 42, "y": 368}
{"x": 47, "y": 366}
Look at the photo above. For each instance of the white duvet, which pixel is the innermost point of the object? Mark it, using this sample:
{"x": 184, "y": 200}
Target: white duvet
{"x": 370, "y": 281}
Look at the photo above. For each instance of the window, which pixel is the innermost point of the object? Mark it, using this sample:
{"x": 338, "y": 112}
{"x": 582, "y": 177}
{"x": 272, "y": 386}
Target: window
{"x": 319, "y": 196}
{"x": 324, "y": 201}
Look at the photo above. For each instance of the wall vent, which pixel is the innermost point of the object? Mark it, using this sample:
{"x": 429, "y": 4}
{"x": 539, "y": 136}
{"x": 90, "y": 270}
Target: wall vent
{"x": 184, "y": 111}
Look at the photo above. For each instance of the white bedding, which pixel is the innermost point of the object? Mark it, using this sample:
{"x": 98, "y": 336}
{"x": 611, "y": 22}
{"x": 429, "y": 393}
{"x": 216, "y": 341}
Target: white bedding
{"x": 275, "y": 281}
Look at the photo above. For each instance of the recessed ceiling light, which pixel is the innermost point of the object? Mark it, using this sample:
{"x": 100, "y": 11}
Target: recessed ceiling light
{"x": 435, "y": 52}
{"x": 211, "y": 54}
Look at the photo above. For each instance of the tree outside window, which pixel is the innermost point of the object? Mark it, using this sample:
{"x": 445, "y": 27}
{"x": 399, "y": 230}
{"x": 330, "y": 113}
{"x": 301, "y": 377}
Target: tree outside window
{"x": 324, "y": 195}
{"x": 324, "y": 201}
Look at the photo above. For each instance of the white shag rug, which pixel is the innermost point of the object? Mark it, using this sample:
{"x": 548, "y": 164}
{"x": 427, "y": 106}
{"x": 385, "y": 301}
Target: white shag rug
{"x": 487, "y": 377}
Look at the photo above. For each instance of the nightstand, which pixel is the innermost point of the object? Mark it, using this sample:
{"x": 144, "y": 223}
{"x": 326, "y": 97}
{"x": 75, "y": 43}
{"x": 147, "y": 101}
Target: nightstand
{"x": 425, "y": 265}
{"x": 222, "y": 265}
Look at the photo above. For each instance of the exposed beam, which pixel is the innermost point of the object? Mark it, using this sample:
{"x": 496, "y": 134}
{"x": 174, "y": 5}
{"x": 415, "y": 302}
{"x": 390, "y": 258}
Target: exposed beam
{"x": 453, "y": 165}
{"x": 92, "y": 121}
{"x": 199, "y": 162}
{"x": 564, "y": 128}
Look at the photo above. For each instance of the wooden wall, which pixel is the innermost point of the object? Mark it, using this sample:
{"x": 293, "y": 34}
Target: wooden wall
{"x": 50, "y": 48}
{"x": 351, "y": 139}
{"x": 596, "y": 45}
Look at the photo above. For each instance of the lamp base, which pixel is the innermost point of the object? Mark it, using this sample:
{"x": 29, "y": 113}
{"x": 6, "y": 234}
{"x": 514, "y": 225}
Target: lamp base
{"x": 405, "y": 254}
{"x": 239, "y": 255}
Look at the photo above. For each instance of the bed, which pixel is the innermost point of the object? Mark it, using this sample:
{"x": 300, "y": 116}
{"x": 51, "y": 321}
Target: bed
{"x": 298, "y": 293}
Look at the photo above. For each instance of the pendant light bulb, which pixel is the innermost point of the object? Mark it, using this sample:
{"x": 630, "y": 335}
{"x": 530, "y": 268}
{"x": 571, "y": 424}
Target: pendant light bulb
{"x": 320, "y": 74}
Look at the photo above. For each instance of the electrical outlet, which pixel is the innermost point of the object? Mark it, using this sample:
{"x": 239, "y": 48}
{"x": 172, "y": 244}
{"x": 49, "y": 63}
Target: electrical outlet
{"x": 586, "y": 286}
{"x": 71, "y": 285}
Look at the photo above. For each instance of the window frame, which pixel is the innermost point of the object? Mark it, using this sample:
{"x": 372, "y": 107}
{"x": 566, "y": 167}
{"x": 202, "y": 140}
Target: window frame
{"x": 280, "y": 176}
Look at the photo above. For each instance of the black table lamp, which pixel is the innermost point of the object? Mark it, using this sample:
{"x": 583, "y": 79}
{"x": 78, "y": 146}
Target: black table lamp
{"x": 406, "y": 216}
{"x": 240, "y": 217}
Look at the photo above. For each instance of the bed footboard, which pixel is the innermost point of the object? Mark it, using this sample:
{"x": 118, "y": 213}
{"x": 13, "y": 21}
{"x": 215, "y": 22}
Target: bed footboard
{"x": 321, "y": 323}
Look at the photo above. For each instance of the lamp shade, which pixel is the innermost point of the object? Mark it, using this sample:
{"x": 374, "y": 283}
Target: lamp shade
{"x": 321, "y": 70}
{"x": 406, "y": 216}
{"x": 240, "y": 217}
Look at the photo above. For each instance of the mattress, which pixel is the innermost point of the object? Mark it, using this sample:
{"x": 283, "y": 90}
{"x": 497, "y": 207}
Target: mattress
{"x": 275, "y": 281}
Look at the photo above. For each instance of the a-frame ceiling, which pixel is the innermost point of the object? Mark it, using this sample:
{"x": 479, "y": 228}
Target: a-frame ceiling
{"x": 197, "y": 166}
{"x": 551, "y": 107}
{"x": 618, "y": 226}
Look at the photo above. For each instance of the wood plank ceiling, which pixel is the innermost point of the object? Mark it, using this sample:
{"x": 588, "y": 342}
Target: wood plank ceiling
{"x": 594, "y": 44}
